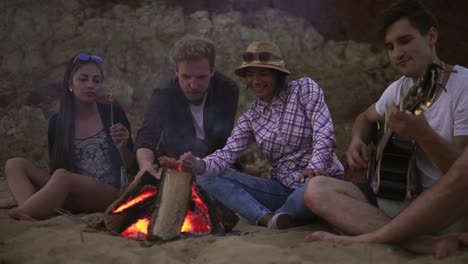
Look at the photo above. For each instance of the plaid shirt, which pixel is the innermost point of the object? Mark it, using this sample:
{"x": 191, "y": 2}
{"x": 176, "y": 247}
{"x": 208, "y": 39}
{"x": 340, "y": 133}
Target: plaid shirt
{"x": 295, "y": 132}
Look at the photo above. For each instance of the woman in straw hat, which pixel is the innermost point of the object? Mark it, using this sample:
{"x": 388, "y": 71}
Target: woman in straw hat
{"x": 292, "y": 125}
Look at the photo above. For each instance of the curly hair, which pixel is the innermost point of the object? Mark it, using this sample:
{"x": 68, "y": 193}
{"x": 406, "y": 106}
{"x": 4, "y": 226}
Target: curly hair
{"x": 191, "y": 47}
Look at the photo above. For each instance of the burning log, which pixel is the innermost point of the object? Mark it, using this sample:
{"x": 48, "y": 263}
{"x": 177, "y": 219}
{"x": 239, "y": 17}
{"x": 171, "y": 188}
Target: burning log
{"x": 160, "y": 210}
{"x": 172, "y": 203}
{"x": 131, "y": 206}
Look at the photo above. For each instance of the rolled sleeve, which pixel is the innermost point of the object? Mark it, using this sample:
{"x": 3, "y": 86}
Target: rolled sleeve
{"x": 324, "y": 143}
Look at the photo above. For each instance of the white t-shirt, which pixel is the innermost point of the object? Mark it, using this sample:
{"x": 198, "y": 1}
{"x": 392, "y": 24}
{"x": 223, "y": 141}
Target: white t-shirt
{"x": 197, "y": 114}
{"x": 448, "y": 116}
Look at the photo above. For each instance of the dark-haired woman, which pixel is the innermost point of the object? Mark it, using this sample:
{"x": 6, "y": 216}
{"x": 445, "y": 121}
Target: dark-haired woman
{"x": 293, "y": 127}
{"x": 88, "y": 144}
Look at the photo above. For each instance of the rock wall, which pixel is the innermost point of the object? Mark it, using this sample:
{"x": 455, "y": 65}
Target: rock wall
{"x": 356, "y": 20}
{"x": 37, "y": 38}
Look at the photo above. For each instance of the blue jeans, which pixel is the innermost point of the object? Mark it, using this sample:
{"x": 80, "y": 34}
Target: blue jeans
{"x": 253, "y": 197}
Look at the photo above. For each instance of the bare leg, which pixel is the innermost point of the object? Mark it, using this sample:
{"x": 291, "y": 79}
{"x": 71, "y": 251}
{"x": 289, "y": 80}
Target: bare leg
{"x": 24, "y": 179}
{"x": 422, "y": 216}
{"x": 82, "y": 193}
{"x": 343, "y": 205}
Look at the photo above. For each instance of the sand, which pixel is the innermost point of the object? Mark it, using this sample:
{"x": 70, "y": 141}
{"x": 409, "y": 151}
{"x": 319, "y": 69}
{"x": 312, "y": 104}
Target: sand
{"x": 64, "y": 239}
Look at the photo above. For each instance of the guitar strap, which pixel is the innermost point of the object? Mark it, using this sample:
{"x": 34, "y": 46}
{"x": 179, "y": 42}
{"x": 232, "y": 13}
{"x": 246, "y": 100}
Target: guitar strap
{"x": 413, "y": 180}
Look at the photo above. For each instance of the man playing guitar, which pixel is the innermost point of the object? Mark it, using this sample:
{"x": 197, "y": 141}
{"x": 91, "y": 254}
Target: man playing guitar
{"x": 440, "y": 134}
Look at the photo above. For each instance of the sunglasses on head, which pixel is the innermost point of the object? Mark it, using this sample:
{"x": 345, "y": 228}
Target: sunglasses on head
{"x": 85, "y": 57}
{"x": 260, "y": 56}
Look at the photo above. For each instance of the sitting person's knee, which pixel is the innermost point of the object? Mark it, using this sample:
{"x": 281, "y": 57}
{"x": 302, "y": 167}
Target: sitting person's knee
{"x": 14, "y": 164}
{"x": 319, "y": 184}
{"x": 204, "y": 181}
{"x": 317, "y": 192}
{"x": 61, "y": 176}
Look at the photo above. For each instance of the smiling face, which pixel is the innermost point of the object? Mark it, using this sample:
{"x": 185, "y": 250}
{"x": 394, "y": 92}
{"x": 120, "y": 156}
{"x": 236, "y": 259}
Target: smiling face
{"x": 86, "y": 83}
{"x": 408, "y": 50}
{"x": 194, "y": 79}
{"x": 262, "y": 82}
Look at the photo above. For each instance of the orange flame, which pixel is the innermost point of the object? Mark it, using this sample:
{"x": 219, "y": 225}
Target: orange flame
{"x": 197, "y": 220}
{"x": 147, "y": 191}
{"x": 137, "y": 230}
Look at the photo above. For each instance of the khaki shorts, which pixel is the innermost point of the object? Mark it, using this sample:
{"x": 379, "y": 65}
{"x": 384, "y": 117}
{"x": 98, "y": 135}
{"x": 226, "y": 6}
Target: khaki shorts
{"x": 393, "y": 208}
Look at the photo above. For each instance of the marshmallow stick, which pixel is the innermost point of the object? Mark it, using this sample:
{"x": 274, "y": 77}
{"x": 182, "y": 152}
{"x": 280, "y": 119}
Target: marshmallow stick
{"x": 111, "y": 100}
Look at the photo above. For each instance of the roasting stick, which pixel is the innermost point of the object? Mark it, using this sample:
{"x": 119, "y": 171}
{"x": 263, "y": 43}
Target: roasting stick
{"x": 123, "y": 171}
{"x": 111, "y": 100}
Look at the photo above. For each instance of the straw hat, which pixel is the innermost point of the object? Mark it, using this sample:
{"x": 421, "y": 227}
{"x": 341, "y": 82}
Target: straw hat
{"x": 264, "y": 55}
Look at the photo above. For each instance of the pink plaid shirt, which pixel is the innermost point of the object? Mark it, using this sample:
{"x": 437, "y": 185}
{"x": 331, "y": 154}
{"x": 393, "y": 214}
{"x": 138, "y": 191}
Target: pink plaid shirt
{"x": 295, "y": 132}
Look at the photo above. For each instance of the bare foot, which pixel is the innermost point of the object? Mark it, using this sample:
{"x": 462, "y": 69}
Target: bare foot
{"x": 13, "y": 214}
{"x": 329, "y": 237}
{"x": 446, "y": 247}
{"x": 7, "y": 204}
{"x": 449, "y": 245}
{"x": 4, "y": 215}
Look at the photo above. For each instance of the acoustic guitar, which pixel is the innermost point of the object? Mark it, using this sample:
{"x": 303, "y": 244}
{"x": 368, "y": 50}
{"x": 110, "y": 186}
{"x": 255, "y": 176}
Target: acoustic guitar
{"x": 391, "y": 170}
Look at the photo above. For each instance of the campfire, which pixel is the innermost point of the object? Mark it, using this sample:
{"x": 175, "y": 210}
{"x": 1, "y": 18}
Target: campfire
{"x": 165, "y": 209}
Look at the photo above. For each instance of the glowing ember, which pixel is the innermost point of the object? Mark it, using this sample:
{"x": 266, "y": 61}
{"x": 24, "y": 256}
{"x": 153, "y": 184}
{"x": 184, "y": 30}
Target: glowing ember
{"x": 146, "y": 192}
{"x": 198, "y": 219}
{"x": 137, "y": 230}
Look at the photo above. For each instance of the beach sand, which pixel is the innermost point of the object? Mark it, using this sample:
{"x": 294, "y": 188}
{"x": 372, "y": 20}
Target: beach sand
{"x": 65, "y": 239}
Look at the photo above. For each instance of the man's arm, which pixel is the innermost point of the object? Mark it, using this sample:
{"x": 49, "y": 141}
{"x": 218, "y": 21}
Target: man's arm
{"x": 145, "y": 158}
{"x": 364, "y": 124}
{"x": 440, "y": 152}
{"x": 149, "y": 134}
{"x": 361, "y": 135}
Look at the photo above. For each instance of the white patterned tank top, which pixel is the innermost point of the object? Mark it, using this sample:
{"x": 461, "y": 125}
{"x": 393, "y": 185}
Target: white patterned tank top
{"x": 91, "y": 157}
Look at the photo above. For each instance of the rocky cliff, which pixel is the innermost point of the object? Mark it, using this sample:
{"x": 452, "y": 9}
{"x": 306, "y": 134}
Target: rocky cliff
{"x": 37, "y": 38}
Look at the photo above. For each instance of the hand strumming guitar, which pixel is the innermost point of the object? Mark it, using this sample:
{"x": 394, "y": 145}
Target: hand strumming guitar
{"x": 408, "y": 126}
